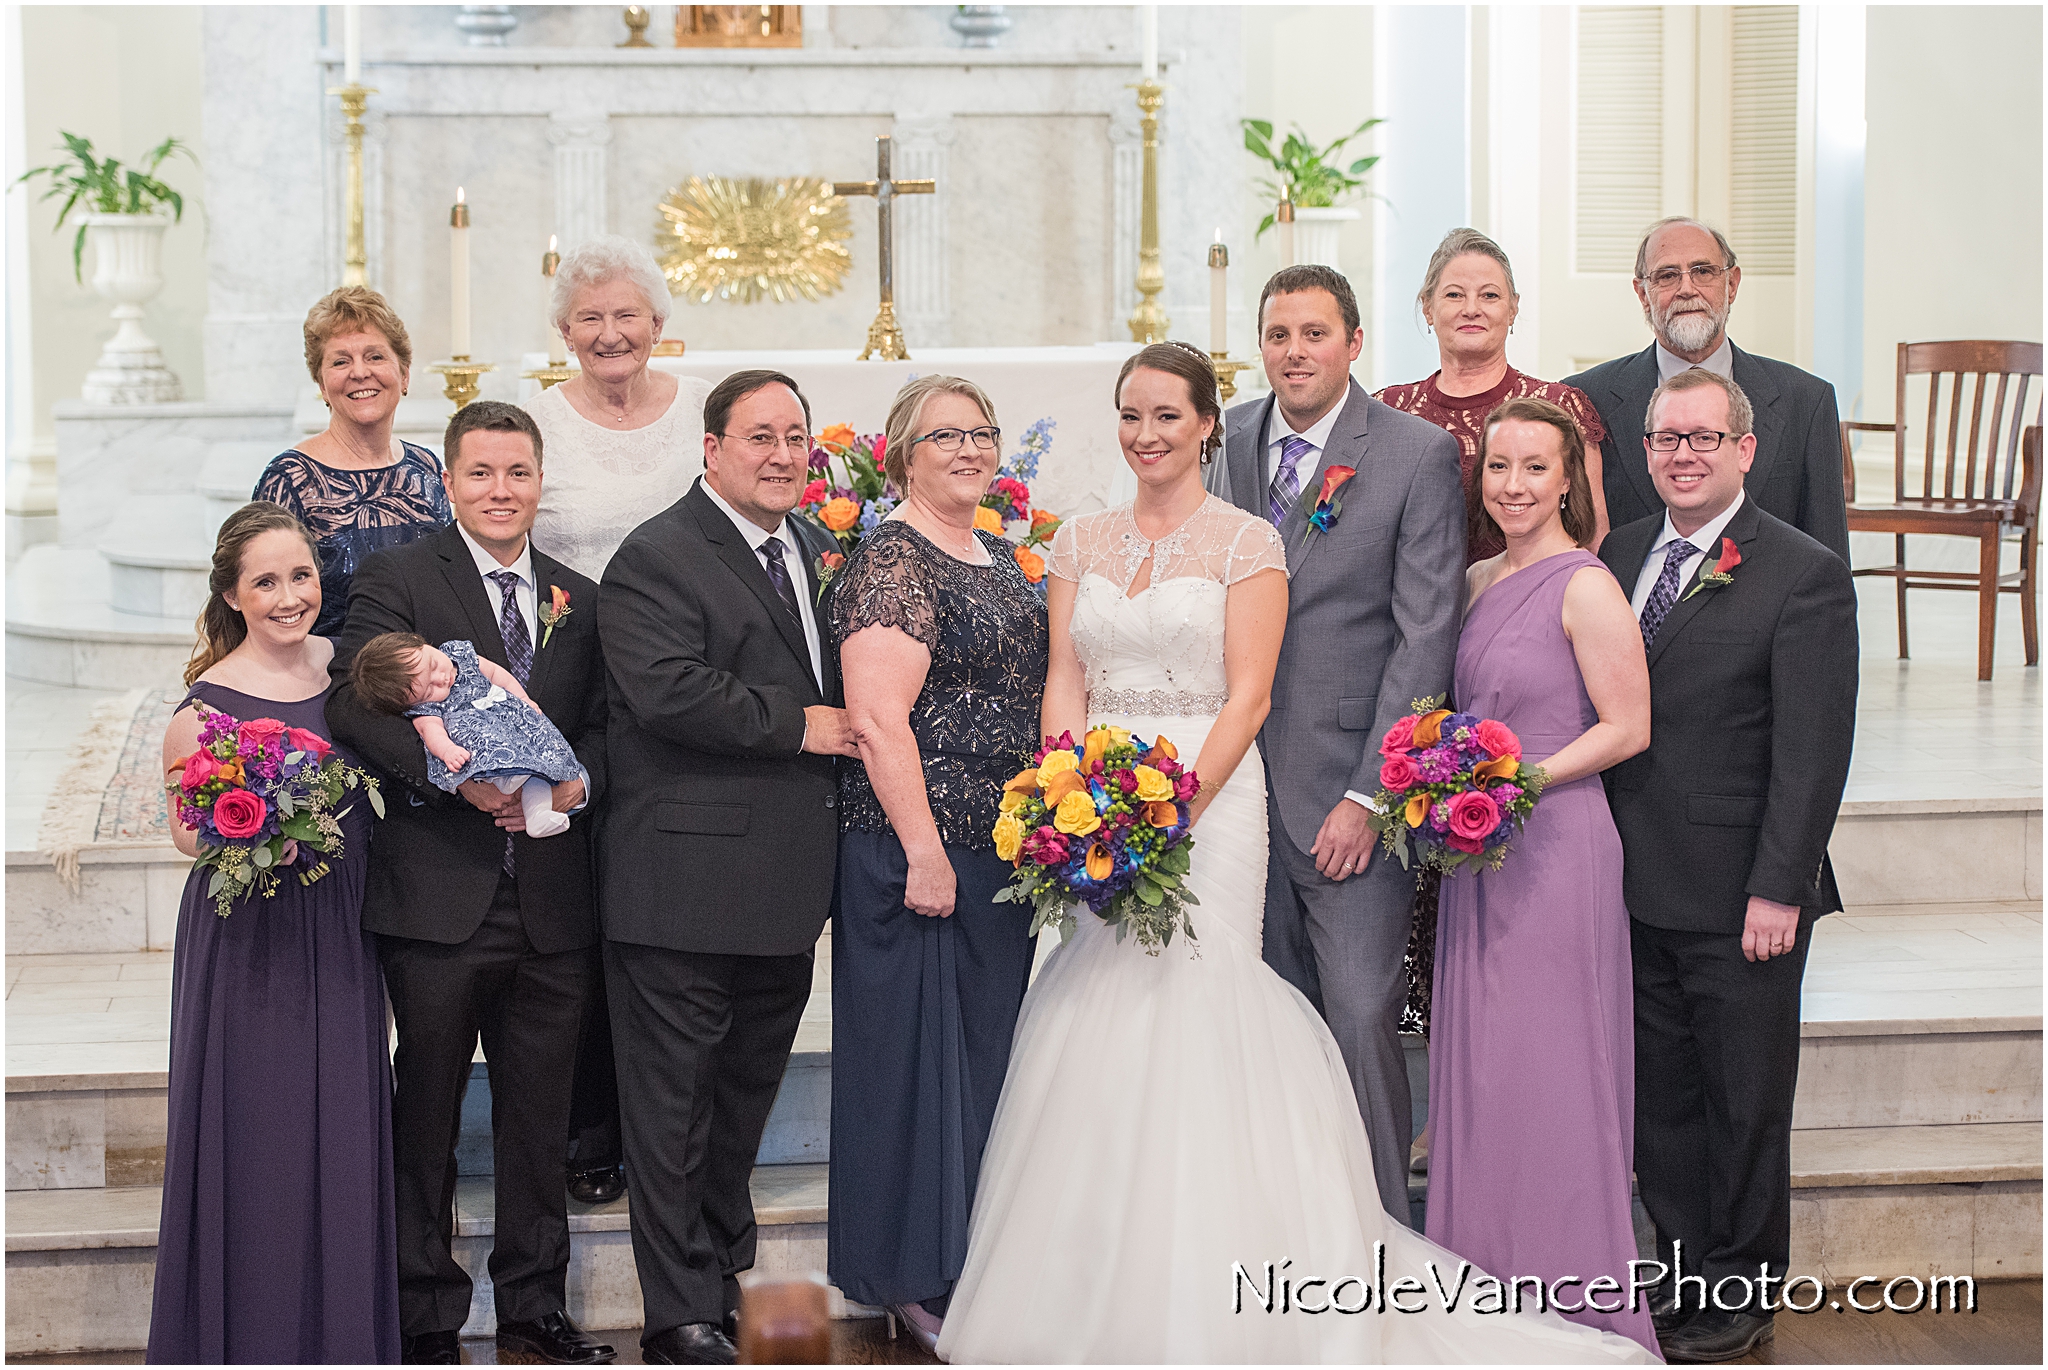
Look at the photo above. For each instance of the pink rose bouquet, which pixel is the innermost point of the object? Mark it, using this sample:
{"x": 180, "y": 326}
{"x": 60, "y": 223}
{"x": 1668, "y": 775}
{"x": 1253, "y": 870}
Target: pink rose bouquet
{"x": 254, "y": 786}
{"x": 1453, "y": 788}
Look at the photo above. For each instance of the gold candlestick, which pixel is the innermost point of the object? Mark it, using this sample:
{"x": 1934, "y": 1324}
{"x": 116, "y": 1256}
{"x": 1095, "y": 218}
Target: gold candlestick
{"x": 1148, "y": 322}
{"x": 548, "y": 376}
{"x": 460, "y": 377}
{"x": 637, "y": 19}
{"x": 355, "y": 258}
{"x": 1226, "y": 374}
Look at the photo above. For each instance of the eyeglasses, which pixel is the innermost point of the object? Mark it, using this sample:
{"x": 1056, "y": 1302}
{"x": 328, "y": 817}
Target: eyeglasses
{"x": 1706, "y": 440}
{"x": 764, "y": 443}
{"x": 953, "y": 439}
{"x": 1703, "y": 275}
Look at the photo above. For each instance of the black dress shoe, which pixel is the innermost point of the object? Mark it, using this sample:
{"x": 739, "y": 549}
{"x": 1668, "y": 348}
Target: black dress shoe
{"x": 550, "y": 1340}
{"x": 431, "y": 1348}
{"x": 1667, "y": 1315}
{"x": 598, "y": 1186}
{"x": 1714, "y": 1336}
{"x": 694, "y": 1343}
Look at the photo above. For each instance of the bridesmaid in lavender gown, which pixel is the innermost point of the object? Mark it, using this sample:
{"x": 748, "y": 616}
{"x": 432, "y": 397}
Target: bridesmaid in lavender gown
{"x": 1533, "y": 1016}
{"x": 278, "y": 1242}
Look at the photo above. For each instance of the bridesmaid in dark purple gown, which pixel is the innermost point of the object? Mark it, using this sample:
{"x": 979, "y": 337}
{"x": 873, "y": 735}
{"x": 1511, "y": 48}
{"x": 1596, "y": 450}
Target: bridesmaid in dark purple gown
{"x": 277, "y": 1242}
{"x": 1532, "y": 1050}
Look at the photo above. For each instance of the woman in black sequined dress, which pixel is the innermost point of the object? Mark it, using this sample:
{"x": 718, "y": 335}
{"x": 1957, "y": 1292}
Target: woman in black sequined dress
{"x": 943, "y": 649}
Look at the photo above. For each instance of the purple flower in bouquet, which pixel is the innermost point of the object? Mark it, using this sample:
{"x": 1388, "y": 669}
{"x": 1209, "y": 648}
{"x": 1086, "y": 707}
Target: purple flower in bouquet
{"x": 1440, "y": 765}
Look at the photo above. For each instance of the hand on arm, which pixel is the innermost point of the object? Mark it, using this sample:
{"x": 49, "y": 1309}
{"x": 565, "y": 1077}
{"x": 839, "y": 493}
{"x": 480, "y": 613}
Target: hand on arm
{"x": 828, "y": 732}
{"x": 1608, "y": 645}
{"x": 1064, "y": 708}
{"x": 499, "y": 676}
{"x": 434, "y": 737}
{"x": 884, "y": 669}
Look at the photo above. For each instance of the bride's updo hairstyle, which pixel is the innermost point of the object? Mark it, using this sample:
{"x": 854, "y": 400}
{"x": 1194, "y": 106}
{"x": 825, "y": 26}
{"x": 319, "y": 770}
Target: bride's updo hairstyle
{"x": 221, "y": 627}
{"x": 1192, "y": 365}
{"x": 1577, "y": 513}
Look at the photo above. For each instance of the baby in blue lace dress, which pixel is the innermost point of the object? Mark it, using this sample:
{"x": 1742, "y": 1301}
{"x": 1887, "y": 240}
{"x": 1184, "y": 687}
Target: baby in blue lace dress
{"x": 475, "y": 719}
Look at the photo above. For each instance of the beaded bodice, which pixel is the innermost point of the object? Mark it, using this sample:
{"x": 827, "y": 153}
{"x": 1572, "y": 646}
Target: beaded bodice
{"x": 1158, "y": 652}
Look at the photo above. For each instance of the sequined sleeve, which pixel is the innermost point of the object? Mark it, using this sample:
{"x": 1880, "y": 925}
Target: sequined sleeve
{"x": 1063, "y": 558}
{"x": 1257, "y": 547}
{"x": 885, "y": 583}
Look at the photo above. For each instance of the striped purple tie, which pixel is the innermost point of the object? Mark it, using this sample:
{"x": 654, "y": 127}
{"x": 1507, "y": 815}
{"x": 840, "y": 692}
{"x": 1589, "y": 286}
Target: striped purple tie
{"x": 1287, "y": 480}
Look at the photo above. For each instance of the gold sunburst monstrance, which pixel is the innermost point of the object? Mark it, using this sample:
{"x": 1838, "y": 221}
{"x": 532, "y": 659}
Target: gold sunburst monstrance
{"x": 754, "y": 239}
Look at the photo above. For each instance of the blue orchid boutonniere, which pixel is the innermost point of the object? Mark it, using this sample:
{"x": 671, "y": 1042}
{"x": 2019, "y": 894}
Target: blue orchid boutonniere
{"x": 1327, "y": 507}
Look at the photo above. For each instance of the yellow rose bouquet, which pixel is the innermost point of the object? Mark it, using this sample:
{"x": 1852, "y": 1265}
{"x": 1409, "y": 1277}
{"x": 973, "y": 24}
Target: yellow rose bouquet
{"x": 1104, "y": 823}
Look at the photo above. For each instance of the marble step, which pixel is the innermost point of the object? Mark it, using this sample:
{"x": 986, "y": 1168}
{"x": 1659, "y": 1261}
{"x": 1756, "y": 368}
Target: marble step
{"x": 228, "y": 475}
{"x": 63, "y": 628}
{"x": 81, "y": 1263}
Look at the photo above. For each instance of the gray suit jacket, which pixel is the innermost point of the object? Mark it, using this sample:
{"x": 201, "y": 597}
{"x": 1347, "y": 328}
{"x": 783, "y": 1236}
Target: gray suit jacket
{"x": 1797, "y": 474}
{"x": 1374, "y": 605}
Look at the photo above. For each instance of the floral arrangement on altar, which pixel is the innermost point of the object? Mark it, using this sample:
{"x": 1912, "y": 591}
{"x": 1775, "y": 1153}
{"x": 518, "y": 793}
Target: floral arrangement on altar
{"x": 849, "y": 494}
{"x": 252, "y": 787}
{"x": 1104, "y": 823}
{"x": 1454, "y": 785}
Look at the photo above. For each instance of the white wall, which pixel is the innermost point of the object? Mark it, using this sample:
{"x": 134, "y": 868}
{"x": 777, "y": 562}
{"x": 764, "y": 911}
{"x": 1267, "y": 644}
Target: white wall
{"x": 1952, "y": 181}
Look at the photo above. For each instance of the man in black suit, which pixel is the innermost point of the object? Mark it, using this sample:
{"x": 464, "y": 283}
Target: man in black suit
{"x": 481, "y": 929}
{"x": 718, "y": 864}
{"x": 1686, "y": 278}
{"x": 1750, "y": 627}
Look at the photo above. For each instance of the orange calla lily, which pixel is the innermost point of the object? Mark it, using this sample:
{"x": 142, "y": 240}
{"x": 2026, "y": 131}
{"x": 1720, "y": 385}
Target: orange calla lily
{"x": 559, "y": 596}
{"x": 1062, "y": 785}
{"x": 1418, "y": 810}
{"x": 1162, "y": 750}
{"x": 1025, "y": 781}
{"x": 1160, "y": 814}
{"x": 1097, "y": 742}
{"x": 1429, "y": 728}
{"x": 1101, "y": 861}
{"x": 1500, "y": 768}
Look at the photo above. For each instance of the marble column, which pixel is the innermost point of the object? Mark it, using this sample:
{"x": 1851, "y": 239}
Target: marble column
{"x": 582, "y": 141}
{"x": 924, "y": 296}
{"x": 376, "y": 126}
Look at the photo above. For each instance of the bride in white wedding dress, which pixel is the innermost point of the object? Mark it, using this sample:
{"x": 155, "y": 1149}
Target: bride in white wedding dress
{"x": 1168, "y": 1119}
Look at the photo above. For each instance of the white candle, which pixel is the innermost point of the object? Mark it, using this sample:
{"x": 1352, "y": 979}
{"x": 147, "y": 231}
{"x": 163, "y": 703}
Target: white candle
{"x": 351, "y": 45}
{"x": 1283, "y": 220}
{"x": 558, "y": 348}
{"x": 1151, "y": 42}
{"x": 458, "y": 278}
{"x": 1219, "y": 296}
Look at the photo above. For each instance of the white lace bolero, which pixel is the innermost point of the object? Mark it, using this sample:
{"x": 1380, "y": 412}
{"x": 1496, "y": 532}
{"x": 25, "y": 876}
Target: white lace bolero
{"x": 598, "y": 485}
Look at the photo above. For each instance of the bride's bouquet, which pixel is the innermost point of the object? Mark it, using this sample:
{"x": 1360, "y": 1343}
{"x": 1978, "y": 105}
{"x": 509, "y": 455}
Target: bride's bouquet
{"x": 251, "y": 787}
{"x": 1104, "y": 824}
{"x": 1454, "y": 786}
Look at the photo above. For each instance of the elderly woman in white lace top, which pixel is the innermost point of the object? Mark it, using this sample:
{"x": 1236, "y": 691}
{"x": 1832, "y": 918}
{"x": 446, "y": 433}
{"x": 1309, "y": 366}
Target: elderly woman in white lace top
{"x": 623, "y": 441}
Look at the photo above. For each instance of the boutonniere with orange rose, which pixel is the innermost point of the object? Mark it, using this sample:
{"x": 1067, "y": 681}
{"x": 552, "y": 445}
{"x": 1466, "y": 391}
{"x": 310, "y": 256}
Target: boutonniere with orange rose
{"x": 1452, "y": 786}
{"x": 1722, "y": 572}
{"x": 1102, "y": 823}
{"x": 1323, "y": 517}
{"x": 828, "y": 566}
{"x": 553, "y": 612}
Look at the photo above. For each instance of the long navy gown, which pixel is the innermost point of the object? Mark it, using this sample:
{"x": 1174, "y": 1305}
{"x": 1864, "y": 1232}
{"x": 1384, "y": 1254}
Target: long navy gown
{"x": 278, "y": 1242}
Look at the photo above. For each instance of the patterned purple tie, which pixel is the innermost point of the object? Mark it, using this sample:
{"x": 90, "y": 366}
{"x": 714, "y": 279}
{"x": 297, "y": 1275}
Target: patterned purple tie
{"x": 778, "y": 575}
{"x": 1664, "y": 593}
{"x": 518, "y": 649}
{"x": 1287, "y": 480}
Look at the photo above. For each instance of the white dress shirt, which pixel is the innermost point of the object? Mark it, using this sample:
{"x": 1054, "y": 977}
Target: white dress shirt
{"x": 1721, "y": 361}
{"x": 1702, "y": 539}
{"x": 794, "y": 560}
{"x": 523, "y": 592}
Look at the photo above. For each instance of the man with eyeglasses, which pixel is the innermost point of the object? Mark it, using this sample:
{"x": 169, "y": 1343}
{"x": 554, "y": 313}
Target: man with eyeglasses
{"x": 1750, "y": 630}
{"x": 1686, "y": 278}
{"x": 716, "y": 877}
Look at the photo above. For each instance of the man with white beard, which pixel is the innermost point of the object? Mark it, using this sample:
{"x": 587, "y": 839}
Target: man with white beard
{"x": 1686, "y": 278}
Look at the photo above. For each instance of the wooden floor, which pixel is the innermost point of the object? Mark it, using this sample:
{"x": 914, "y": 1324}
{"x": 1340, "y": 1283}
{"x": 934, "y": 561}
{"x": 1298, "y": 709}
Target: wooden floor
{"x": 2005, "y": 1330}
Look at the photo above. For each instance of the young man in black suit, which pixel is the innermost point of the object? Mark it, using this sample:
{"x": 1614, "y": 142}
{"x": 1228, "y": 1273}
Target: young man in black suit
{"x": 1751, "y": 631}
{"x": 1687, "y": 279}
{"x": 481, "y": 929}
{"x": 718, "y": 865}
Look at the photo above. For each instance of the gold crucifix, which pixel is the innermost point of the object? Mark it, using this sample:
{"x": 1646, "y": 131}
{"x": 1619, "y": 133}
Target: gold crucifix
{"x": 885, "y": 339}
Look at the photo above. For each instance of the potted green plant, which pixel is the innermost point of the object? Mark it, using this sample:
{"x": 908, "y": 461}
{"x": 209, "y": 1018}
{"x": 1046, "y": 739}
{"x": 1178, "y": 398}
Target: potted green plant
{"x": 124, "y": 220}
{"x": 1316, "y": 181}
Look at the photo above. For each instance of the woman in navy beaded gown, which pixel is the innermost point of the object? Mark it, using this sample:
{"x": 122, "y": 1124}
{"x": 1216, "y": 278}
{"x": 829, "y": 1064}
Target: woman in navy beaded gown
{"x": 278, "y": 1242}
{"x": 357, "y": 487}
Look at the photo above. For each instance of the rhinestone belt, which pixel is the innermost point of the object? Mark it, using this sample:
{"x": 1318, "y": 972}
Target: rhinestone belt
{"x": 1156, "y": 703}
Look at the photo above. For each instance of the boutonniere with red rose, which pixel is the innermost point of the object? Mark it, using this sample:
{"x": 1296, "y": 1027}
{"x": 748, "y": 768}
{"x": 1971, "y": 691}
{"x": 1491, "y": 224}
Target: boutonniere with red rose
{"x": 553, "y": 612}
{"x": 1721, "y": 573}
{"x": 1323, "y": 517}
{"x": 826, "y": 567}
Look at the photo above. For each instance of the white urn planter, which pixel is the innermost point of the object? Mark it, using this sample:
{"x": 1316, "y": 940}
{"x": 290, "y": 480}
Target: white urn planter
{"x": 128, "y": 254}
{"x": 1316, "y": 233}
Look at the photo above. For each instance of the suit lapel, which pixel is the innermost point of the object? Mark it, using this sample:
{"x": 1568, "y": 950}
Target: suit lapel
{"x": 1631, "y": 400}
{"x": 546, "y": 573}
{"x": 814, "y": 544}
{"x": 1349, "y": 445}
{"x": 1743, "y": 529}
{"x": 459, "y": 567}
{"x": 1767, "y": 421}
{"x": 1247, "y": 458}
{"x": 745, "y": 563}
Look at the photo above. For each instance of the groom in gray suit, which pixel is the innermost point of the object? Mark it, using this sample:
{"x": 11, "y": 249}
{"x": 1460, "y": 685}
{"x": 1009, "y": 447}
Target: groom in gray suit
{"x": 1374, "y": 603}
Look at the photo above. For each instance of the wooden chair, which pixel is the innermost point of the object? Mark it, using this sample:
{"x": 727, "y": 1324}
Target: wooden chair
{"x": 1987, "y": 487}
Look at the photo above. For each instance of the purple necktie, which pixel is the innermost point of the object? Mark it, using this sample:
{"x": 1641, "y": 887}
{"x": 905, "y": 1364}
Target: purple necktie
{"x": 778, "y": 575}
{"x": 1664, "y": 593}
{"x": 518, "y": 649}
{"x": 1287, "y": 480}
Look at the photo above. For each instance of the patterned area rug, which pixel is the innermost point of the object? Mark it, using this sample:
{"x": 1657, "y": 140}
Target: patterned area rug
{"x": 112, "y": 792}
